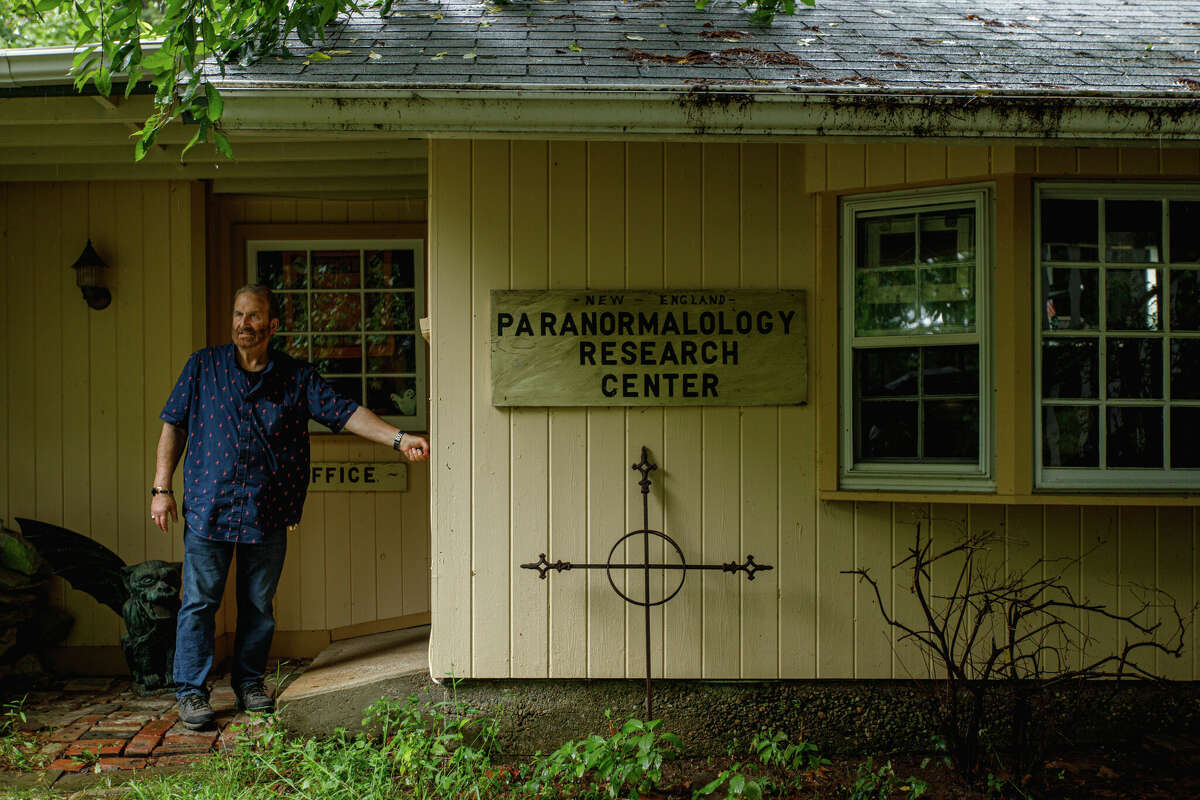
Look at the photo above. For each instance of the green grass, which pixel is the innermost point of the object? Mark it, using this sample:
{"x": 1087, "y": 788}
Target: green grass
{"x": 414, "y": 751}
{"x": 19, "y": 751}
{"x": 447, "y": 751}
{"x": 411, "y": 750}
{"x": 418, "y": 752}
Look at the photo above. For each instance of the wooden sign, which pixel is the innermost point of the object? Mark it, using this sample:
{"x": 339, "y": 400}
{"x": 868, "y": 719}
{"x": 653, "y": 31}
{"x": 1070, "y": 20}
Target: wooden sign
{"x": 712, "y": 347}
{"x": 368, "y": 476}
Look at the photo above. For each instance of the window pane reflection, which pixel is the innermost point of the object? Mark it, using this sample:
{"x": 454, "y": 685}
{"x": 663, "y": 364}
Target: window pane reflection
{"x": 324, "y": 297}
{"x": 1134, "y": 231}
{"x": 336, "y": 311}
{"x": 948, "y": 298}
{"x": 336, "y": 269}
{"x": 889, "y": 371}
{"x": 1070, "y": 436}
{"x": 1135, "y": 437}
{"x": 388, "y": 312}
{"x": 391, "y": 396}
{"x": 1185, "y": 231}
{"x": 952, "y": 370}
{"x": 1072, "y": 299}
{"x": 904, "y": 390}
{"x": 1134, "y": 368}
{"x": 294, "y": 346}
{"x": 390, "y": 353}
{"x": 888, "y": 429}
{"x": 1185, "y": 370}
{"x": 1185, "y": 299}
{"x": 282, "y": 269}
{"x": 885, "y": 301}
{"x": 293, "y": 311}
{"x": 1070, "y": 368}
{"x": 952, "y": 429}
{"x": 389, "y": 269}
{"x": 1120, "y": 374}
{"x": 1133, "y": 299}
{"x": 893, "y": 295}
{"x": 1070, "y": 230}
{"x": 887, "y": 241}
{"x": 1185, "y": 421}
{"x": 334, "y": 354}
{"x": 948, "y": 236}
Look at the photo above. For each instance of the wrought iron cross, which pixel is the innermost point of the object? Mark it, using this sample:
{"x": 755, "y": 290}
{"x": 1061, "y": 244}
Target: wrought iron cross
{"x": 645, "y": 467}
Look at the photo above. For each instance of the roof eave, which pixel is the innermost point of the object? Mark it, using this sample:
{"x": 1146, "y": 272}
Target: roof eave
{"x": 624, "y": 112}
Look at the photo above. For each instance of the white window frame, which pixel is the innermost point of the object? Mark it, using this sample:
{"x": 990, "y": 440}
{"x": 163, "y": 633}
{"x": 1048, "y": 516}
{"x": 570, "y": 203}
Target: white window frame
{"x": 414, "y": 422}
{"x": 916, "y": 476}
{"x": 1103, "y": 478}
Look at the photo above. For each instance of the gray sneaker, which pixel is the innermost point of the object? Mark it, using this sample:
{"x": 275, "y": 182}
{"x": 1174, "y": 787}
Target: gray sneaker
{"x": 195, "y": 713}
{"x": 253, "y": 697}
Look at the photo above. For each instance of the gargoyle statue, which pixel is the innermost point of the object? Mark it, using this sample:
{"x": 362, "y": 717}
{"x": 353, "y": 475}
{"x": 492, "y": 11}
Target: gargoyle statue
{"x": 146, "y": 595}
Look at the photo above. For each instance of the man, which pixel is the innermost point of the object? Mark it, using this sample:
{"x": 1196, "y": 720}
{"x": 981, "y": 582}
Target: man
{"x": 243, "y": 412}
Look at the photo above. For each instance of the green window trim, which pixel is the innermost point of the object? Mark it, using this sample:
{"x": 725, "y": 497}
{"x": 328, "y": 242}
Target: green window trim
{"x": 362, "y": 302}
{"x": 1108, "y": 382}
{"x": 925, "y": 320}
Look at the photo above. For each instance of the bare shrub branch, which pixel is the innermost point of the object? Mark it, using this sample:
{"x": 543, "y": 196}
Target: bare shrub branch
{"x": 1024, "y": 629}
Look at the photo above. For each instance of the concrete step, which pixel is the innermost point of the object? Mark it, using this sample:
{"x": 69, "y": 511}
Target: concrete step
{"x": 350, "y": 675}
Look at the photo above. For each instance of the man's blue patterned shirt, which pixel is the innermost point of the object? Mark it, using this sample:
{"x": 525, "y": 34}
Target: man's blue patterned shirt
{"x": 246, "y": 470}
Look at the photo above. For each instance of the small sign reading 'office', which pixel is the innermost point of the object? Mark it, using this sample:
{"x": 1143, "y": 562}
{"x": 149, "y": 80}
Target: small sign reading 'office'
{"x": 366, "y": 476}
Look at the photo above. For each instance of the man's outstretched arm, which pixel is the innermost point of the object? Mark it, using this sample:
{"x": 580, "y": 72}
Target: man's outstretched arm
{"x": 365, "y": 423}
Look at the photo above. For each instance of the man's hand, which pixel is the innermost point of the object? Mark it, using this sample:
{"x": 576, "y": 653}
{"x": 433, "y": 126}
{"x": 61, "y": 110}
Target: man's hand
{"x": 365, "y": 423}
{"x": 414, "y": 447}
{"x": 170, "y": 446}
{"x": 160, "y": 506}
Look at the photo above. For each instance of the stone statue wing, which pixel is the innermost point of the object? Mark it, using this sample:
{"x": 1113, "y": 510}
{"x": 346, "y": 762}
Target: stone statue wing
{"x": 87, "y": 565}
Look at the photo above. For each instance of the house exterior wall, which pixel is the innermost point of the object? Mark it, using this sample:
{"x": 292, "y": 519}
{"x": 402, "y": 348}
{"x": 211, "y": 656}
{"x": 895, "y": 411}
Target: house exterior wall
{"x": 508, "y": 484}
{"x": 359, "y": 561}
{"x": 80, "y": 390}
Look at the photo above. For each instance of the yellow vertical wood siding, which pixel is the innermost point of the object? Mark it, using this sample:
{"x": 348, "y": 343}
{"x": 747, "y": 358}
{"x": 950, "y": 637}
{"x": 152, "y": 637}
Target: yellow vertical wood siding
{"x": 80, "y": 390}
{"x": 508, "y": 484}
{"x": 356, "y": 557}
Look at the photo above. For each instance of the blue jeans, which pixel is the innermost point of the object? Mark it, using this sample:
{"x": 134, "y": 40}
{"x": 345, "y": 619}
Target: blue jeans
{"x": 205, "y": 568}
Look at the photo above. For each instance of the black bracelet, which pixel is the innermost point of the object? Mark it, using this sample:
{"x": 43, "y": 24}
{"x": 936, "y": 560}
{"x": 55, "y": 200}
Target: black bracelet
{"x": 157, "y": 490}
{"x": 397, "y": 440}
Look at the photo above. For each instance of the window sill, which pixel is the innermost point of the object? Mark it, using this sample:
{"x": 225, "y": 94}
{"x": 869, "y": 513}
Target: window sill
{"x": 1134, "y": 498}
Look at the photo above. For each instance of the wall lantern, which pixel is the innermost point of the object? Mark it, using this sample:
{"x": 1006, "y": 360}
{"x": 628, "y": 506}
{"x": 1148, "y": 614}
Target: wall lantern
{"x": 89, "y": 268}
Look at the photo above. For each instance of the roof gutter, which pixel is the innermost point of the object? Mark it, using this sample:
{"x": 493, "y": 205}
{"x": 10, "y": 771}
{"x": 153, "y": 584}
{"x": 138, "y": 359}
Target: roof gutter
{"x": 621, "y": 112}
{"x": 35, "y": 66}
{"x": 27, "y": 67}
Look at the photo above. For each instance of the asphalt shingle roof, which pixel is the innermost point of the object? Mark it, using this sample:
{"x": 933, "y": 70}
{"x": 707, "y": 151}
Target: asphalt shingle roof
{"x": 1106, "y": 47}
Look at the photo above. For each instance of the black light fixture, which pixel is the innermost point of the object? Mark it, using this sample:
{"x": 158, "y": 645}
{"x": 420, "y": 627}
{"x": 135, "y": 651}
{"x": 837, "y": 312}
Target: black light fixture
{"x": 88, "y": 270}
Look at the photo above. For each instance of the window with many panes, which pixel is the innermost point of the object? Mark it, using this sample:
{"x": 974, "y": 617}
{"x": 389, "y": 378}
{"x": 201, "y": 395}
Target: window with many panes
{"x": 1118, "y": 336}
{"x": 351, "y": 308}
{"x": 916, "y": 367}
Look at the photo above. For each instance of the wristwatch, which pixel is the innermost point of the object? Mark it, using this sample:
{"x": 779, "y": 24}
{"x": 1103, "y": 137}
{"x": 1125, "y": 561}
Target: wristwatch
{"x": 397, "y": 440}
{"x": 156, "y": 490}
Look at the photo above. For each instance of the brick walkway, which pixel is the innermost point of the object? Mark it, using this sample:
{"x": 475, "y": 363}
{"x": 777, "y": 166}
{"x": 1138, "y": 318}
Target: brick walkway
{"x": 101, "y": 725}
